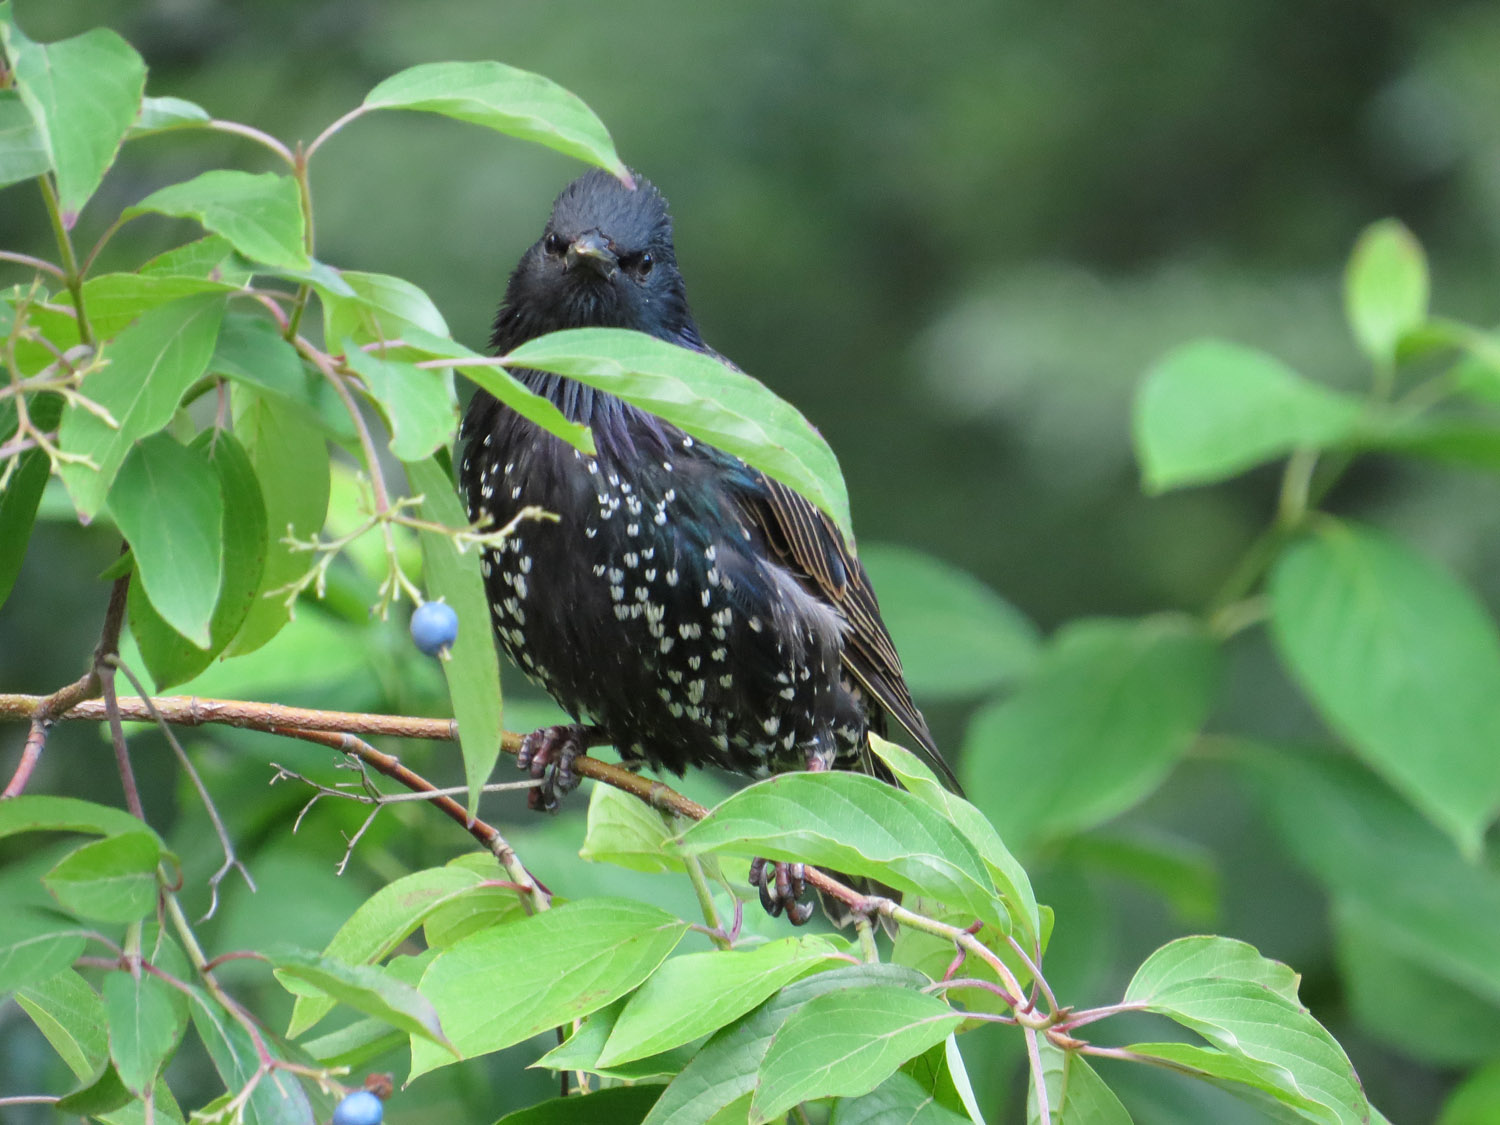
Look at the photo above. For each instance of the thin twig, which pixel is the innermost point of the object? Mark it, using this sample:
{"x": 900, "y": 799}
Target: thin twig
{"x": 1038, "y": 1078}
{"x": 373, "y": 796}
{"x": 103, "y": 672}
{"x": 231, "y": 861}
{"x": 538, "y": 895}
{"x": 1074, "y": 1020}
{"x": 398, "y": 798}
{"x": 357, "y": 111}
{"x": 46, "y": 710}
{"x": 61, "y": 225}
{"x": 117, "y": 741}
{"x": 1032, "y": 966}
{"x": 714, "y": 928}
{"x": 256, "y": 135}
{"x": 33, "y": 263}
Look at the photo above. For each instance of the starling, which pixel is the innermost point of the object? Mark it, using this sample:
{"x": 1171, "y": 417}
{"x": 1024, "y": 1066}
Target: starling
{"x": 690, "y": 608}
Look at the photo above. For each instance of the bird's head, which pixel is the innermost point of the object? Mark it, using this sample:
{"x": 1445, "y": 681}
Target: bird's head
{"x": 604, "y": 260}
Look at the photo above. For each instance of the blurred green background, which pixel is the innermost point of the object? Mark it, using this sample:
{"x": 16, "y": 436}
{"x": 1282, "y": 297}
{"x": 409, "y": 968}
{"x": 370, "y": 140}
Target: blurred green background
{"x": 953, "y": 234}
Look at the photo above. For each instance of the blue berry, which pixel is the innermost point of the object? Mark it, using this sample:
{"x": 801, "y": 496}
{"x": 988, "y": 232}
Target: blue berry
{"x": 361, "y": 1107}
{"x": 434, "y": 626}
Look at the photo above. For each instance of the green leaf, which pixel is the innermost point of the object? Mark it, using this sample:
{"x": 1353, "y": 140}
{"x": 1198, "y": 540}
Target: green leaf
{"x": 1385, "y": 289}
{"x": 473, "y": 669}
{"x": 491, "y": 903}
{"x": 581, "y": 1050}
{"x": 23, "y": 493}
{"x": 160, "y": 114}
{"x": 260, "y": 215}
{"x": 1452, "y": 440}
{"x": 71, "y": 1016}
{"x": 1246, "y": 1006}
{"x": 899, "y": 1100}
{"x": 847, "y": 1043}
{"x": 381, "y": 924}
{"x": 83, "y": 94}
{"x": 114, "y": 300}
{"x": 379, "y": 308}
{"x": 210, "y": 257}
{"x": 941, "y": 1071}
{"x": 500, "y": 383}
{"x": 144, "y": 1026}
{"x": 558, "y": 965}
{"x": 278, "y": 1098}
{"x": 725, "y": 1070}
{"x": 41, "y": 813}
{"x": 1476, "y": 1101}
{"x": 1009, "y": 877}
{"x": 169, "y": 506}
{"x": 1211, "y": 409}
{"x": 722, "y": 985}
{"x": 956, "y": 636}
{"x": 35, "y": 946}
{"x": 1260, "y": 1084}
{"x": 1182, "y": 872}
{"x": 171, "y": 658}
{"x": 853, "y": 823}
{"x": 356, "y": 1044}
{"x": 1396, "y": 997}
{"x": 252, "y": 350}
{"x": 1211, "y": 958}
{"x": 418, "y": 404}
{"x": 704, "y": 396}
{"x": 515, "y": 102}
{"x": 23, "y": 153}
{"x": 100, "y": 1094}
{"x": 55, "y": 330}
{"x": 365, "y": 989}
{"x": 1402, "y": 661}
{"x": 290, "y": 457}
{"x": 1107, "y": 712}
{"x": 113, "y": 879}
{"x": 1075, "y": 1094}
{"x": 150, "y": 365}
{"x": 617, "y": 1105}
{"x": 1381, "y": 860}
{"x": 626, "y": 831}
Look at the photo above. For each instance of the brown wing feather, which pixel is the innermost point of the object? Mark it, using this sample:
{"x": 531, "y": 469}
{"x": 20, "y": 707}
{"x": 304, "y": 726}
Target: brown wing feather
{"x": 810, "y": 543}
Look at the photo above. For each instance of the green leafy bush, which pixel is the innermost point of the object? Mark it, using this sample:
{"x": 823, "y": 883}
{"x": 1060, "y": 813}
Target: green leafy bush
{"x": 222, "y": 407}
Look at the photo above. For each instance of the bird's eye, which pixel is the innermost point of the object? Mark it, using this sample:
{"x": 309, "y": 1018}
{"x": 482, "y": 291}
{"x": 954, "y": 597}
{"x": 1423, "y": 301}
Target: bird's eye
{"x": 639, "y": 264}
{"x": 554, "y": 244}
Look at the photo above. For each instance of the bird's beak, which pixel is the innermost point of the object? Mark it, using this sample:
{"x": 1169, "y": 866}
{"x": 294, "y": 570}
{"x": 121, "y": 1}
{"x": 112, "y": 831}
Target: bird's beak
{"x": 593, "y": 251}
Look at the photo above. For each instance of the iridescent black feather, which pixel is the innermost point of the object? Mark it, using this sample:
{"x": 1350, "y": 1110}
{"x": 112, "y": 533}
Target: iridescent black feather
{"x": 697, "y": 611}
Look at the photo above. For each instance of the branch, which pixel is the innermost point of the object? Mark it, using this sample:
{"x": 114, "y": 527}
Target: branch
{"x": 273, "y": 718}
{"x": 231, "y": 861}
{"x": 486, "y": 834}
{"x": 46, "y": 710}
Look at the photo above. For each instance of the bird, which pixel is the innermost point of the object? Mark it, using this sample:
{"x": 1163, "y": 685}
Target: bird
{"x": 683, "y": 606}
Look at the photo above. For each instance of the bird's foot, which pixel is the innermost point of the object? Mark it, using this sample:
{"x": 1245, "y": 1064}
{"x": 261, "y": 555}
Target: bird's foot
{"x": 548, "y": 755}
{"x": 781, "y": 887}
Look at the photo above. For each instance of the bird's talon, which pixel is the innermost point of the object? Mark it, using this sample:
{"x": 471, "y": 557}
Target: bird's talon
{"x": 548, "y": 754}
{"x": 784, "y": 882}
{"x": 780, "y": 886}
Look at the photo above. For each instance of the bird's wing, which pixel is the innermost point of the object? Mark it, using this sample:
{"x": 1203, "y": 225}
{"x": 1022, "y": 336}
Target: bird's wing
{"x": 809, "y": 543}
